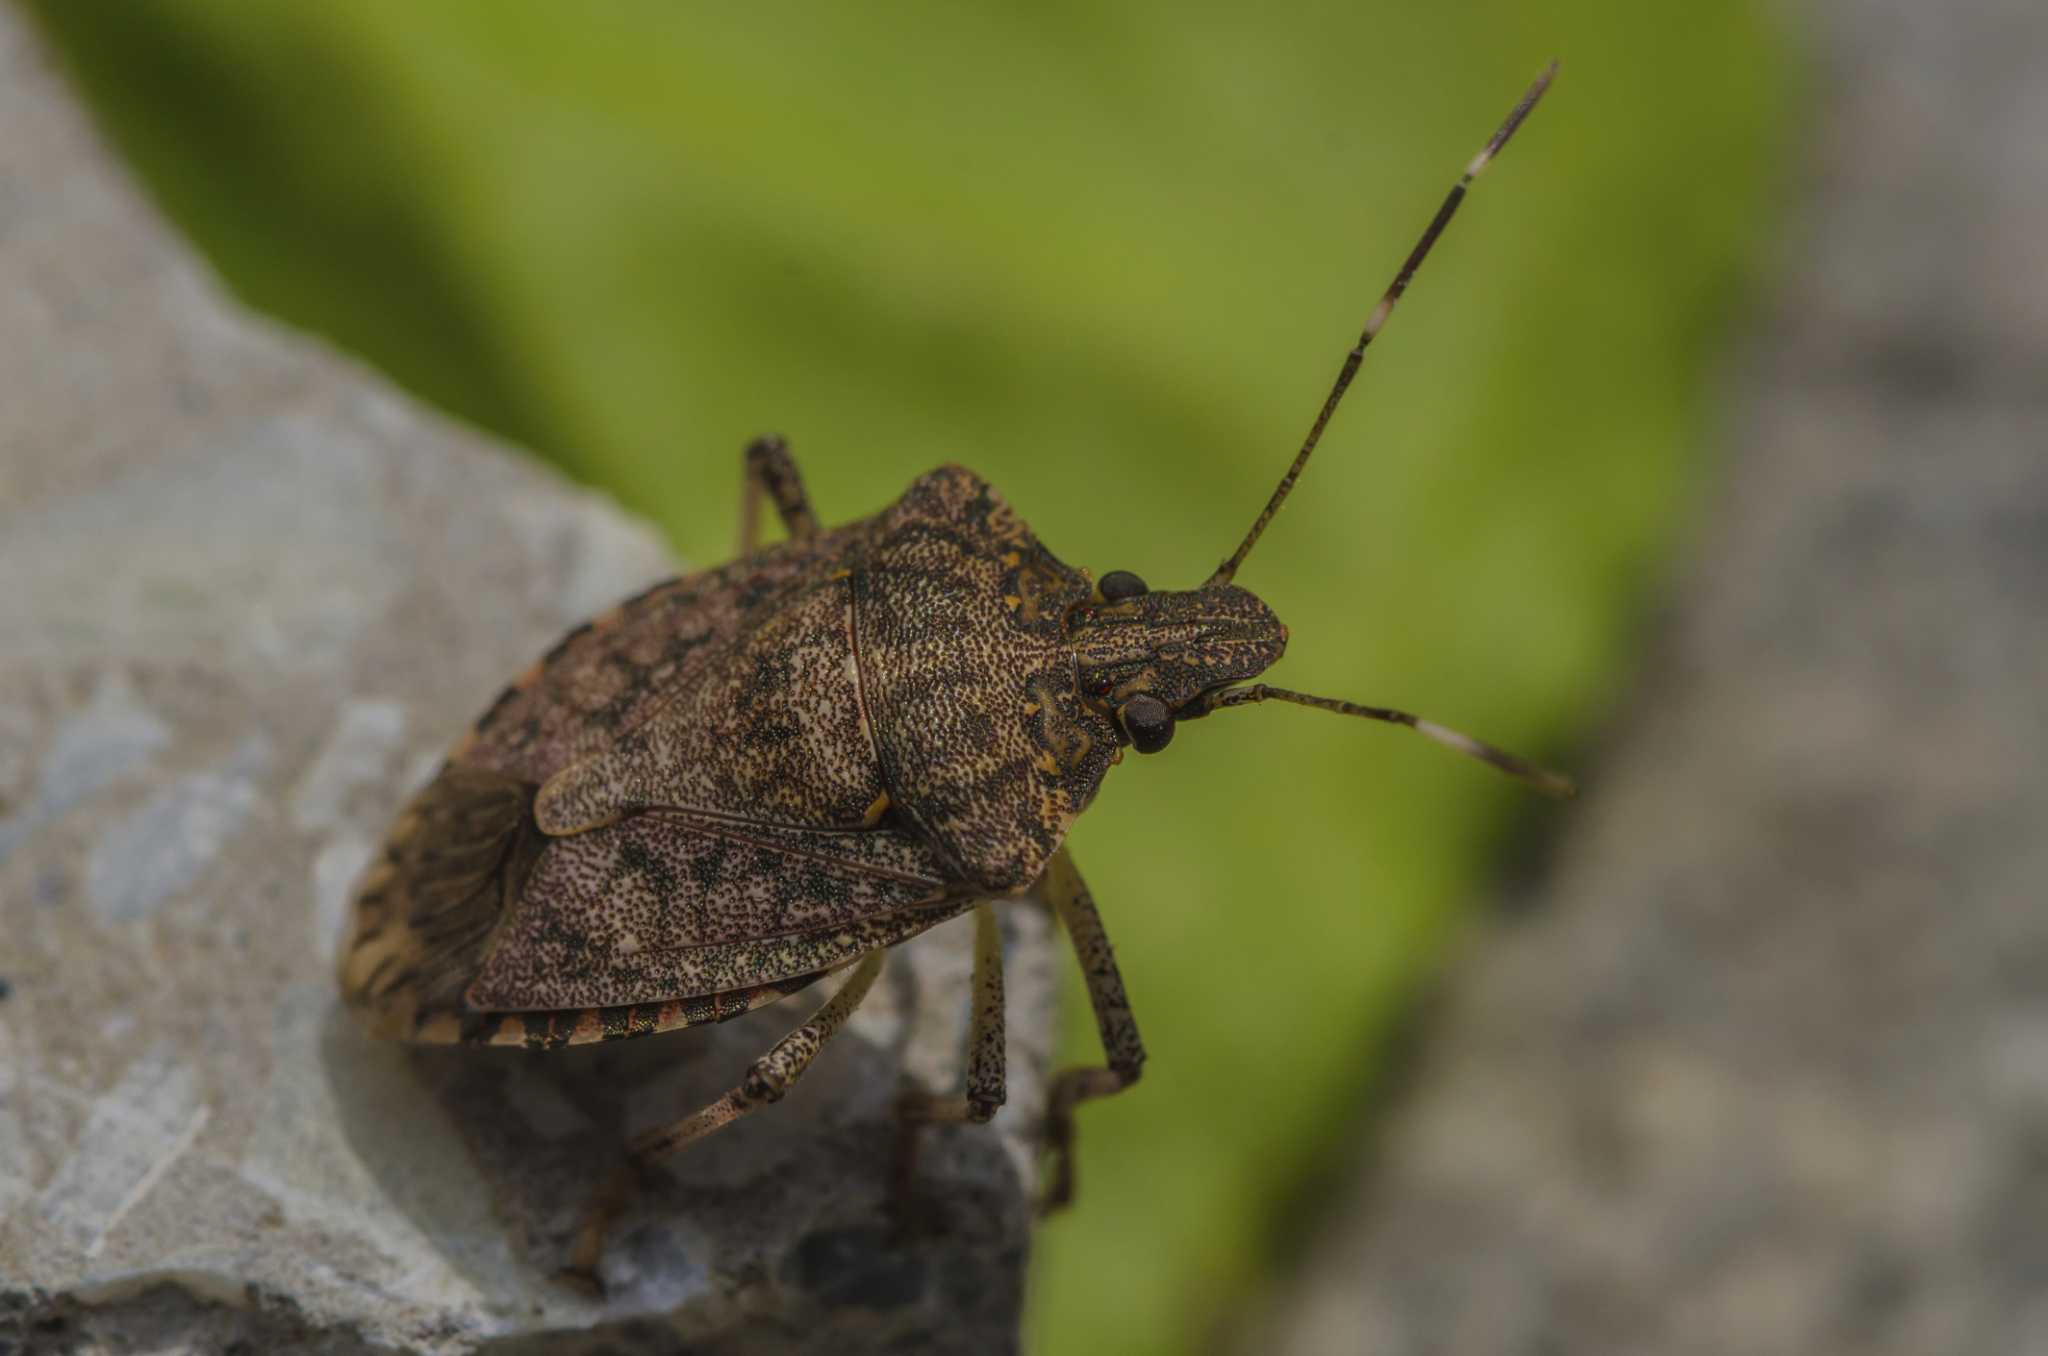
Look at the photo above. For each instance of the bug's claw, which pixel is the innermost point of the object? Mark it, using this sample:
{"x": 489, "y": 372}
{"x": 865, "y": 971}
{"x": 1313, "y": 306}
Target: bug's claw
{"x": 1058, "y": 1192}
{"x": 1069, "y": 1090}
{"x": 611, "y": 1200}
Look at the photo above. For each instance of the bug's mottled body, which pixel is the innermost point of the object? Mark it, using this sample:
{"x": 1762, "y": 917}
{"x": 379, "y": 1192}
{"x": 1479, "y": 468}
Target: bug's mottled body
{"x": 746, "y": 779}
{"x": 740, "y": 779}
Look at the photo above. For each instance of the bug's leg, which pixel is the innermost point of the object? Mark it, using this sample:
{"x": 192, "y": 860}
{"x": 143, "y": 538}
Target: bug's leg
{"x": 771, "y": 470}
{"x": 1063, "y": 888}
{"x": 986, "y": 1085}
{"x": 986, "y": 1088}
{"x": 771, "y": 1076}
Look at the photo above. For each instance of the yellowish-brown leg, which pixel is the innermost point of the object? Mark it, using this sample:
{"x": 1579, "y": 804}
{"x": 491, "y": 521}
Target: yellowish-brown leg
{"x": 771, "y": 470}
{"x": 1063, "y": 888}
{"x": 770, "y": 1077}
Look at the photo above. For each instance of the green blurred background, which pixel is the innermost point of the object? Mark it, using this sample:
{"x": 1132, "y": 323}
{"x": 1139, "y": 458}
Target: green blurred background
{"x": 1109, "y": 256}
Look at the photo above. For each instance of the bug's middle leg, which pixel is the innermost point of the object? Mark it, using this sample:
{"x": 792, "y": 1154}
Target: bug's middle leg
{"x": 770, "y": 1077}
{"x": 771, "y": 470}
{"x": 986, "y": 1083}
{"x": 1063, "y": 888}
{"x": 987, "y": 1086}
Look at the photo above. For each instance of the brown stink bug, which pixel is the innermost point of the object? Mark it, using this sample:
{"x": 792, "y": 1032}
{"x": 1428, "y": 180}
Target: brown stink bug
{"x": 746, "y": 779}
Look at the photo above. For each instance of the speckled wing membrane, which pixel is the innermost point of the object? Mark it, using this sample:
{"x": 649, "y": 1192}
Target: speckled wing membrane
{"x": 619, "y": 930}
{"x": 611, "y": 674}
{"x": 663, "y": 905}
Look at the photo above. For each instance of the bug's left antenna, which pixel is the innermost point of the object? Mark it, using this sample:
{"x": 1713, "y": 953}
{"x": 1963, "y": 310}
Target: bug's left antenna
{"x": 1228, "y": 569}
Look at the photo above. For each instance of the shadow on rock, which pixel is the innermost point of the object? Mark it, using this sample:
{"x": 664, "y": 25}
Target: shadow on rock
{"x": 495, "y": 1155}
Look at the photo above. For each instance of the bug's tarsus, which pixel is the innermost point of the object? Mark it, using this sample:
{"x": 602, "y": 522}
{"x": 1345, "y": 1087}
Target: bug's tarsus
{"x": 1548, "y": 782}
{"x": 1123, "y": 1051}
{"x": 1228, "y": 569}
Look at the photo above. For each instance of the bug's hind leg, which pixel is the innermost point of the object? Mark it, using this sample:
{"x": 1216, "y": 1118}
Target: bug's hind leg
{"x": 1063, "y": 888}
{"x": 986, "y": 1083}
{"x": 770, "y": 1077}
{"x": 771, "y": 470}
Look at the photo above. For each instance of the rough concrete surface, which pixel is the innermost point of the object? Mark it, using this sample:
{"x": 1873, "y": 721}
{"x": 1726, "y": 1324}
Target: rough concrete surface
{"x": 1761, "y": 1063}
{"x": 249, "y": 595}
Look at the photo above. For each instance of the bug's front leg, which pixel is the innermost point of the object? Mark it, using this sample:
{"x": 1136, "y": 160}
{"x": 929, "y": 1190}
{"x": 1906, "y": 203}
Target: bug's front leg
{"x": 1063, "y": 888}
{"x": 771, "y": 1076}
{"x": 771, "y": 470}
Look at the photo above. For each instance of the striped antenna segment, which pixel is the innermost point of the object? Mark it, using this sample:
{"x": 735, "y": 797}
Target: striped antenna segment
{"x": 1228, "y": 569}
{"x": 1548, "y": 782}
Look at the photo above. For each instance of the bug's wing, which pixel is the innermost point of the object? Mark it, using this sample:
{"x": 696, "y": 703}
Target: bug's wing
{"x": 664, "y": 905}
{"x": 774, "y": 728}
{"x": 611, "y": 673}
{"x": 426, "y": 908}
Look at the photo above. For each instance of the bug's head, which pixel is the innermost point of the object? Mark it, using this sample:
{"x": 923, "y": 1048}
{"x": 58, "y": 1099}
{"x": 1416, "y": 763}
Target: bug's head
{"x": 1153, "y": 659}
{"x": 1150, "y": 659}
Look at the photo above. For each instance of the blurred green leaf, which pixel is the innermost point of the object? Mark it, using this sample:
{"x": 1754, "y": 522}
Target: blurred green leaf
{"x": 1110, "y": 257}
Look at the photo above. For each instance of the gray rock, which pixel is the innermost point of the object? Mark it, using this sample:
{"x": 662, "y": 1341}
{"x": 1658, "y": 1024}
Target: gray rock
{"x": 1762, "y": 1064}
{"x": 249, "y": 596}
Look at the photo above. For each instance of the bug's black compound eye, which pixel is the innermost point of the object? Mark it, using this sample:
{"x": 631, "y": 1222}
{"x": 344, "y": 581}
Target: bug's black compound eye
{"x": 1148, "y": 722}
{"x": 1118, "y": 585}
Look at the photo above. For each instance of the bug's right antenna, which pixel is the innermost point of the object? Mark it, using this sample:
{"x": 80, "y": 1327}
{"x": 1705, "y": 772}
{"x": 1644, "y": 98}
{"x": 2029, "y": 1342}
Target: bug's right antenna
{"x": 1228, "y": 569}
{"x": 1543, "y": 779}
